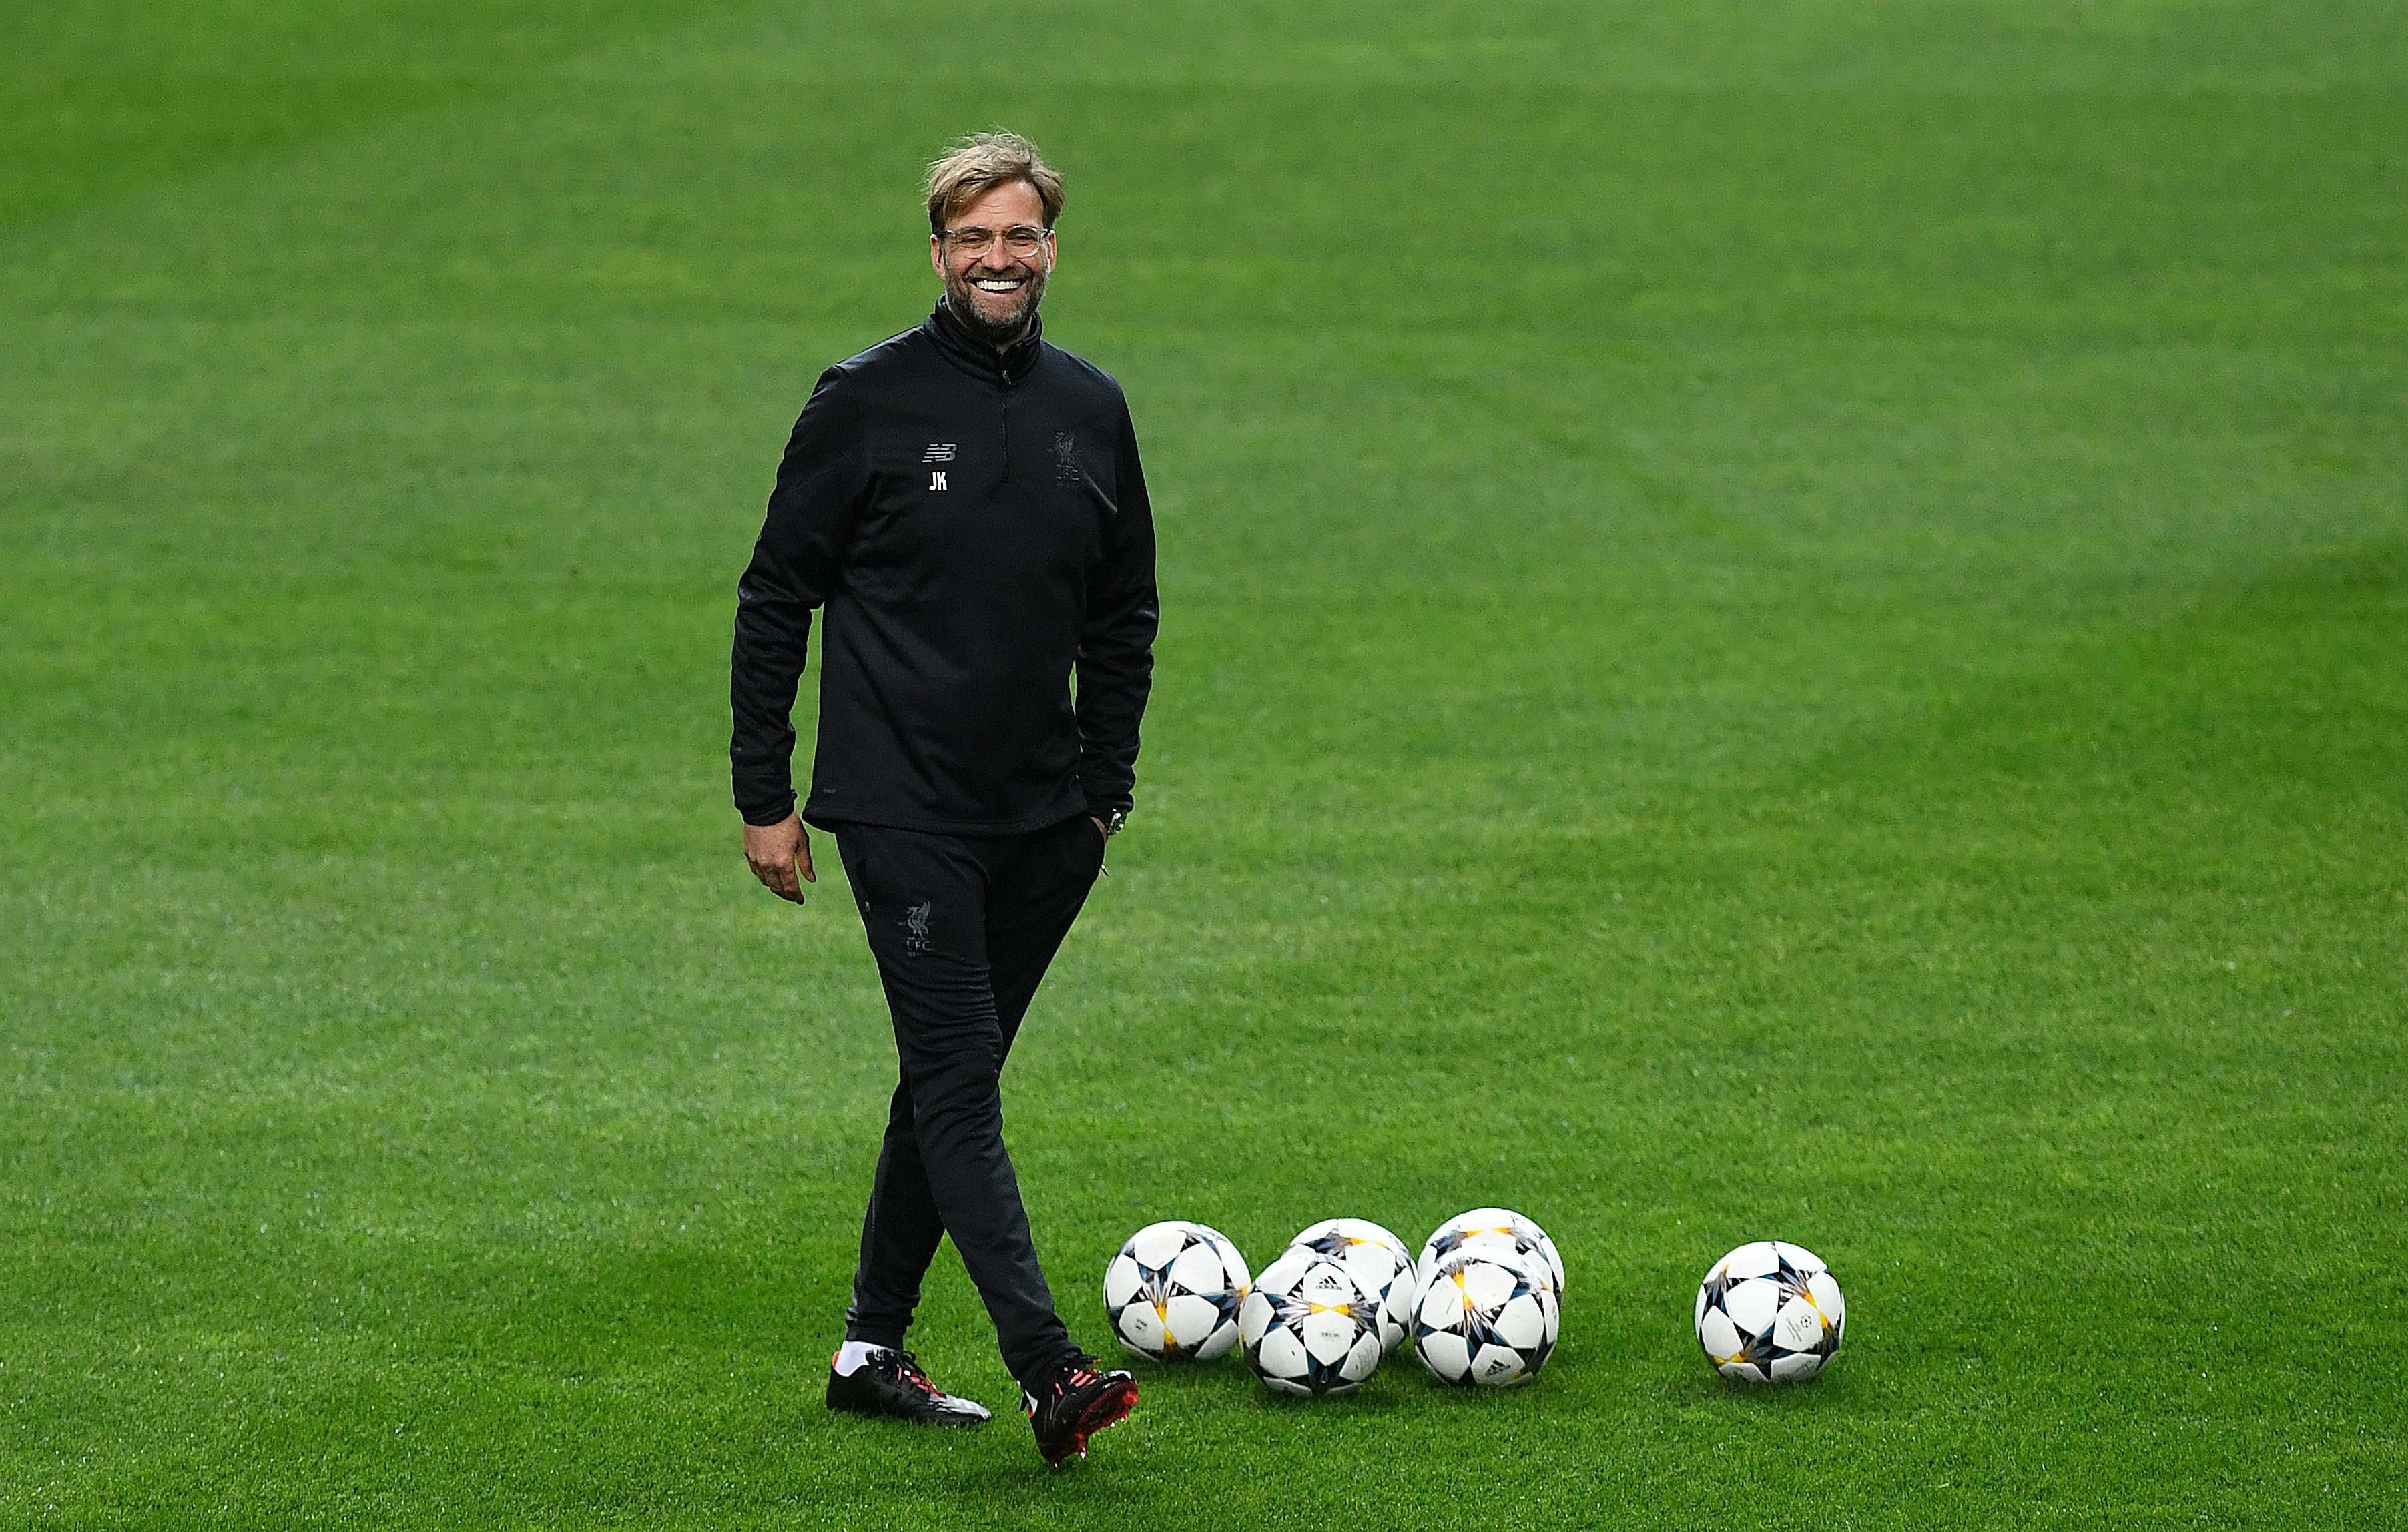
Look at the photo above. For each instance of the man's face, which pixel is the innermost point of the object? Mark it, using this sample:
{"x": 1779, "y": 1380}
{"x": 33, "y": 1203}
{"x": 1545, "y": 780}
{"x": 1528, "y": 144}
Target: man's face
{"x": 994, "y": 289}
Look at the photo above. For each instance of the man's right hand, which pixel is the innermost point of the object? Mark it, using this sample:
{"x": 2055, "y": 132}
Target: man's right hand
{"x": 781, "y": 856}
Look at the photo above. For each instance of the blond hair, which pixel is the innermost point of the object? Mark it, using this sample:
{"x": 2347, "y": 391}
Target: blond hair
{"x": 983, "y": 162}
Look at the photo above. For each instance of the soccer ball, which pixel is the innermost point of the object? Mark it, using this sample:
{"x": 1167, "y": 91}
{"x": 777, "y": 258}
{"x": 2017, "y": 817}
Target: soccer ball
{"x": 1770, "y": 1312}
{"x": 1172, "y": 1292}
{"x": 1486, "y": 1316}
{"x": 1378, "y": 1260}
{"x": 1494, "y": 1228}
{"x": 1309, "y": 1328}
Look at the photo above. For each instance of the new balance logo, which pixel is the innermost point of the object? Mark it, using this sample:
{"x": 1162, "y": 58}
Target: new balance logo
{"x": 936, "y": 480}
{"x": 938, "y": 451}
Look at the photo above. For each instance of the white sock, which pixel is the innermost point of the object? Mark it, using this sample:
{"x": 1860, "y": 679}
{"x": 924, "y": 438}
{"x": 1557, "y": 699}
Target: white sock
{"x": 852, "y": 1354}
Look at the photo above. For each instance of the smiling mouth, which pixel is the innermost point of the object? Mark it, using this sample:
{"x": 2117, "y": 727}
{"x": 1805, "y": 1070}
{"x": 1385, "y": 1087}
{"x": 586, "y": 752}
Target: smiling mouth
{"x": 1001, "y": 284}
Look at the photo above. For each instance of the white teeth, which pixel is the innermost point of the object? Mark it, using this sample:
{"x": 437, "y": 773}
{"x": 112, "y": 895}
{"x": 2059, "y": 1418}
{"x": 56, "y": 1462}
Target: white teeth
{"x": 998, "y": 287}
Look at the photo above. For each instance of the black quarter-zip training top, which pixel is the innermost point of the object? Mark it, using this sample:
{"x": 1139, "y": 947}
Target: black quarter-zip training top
{"x": 976, "y": 525}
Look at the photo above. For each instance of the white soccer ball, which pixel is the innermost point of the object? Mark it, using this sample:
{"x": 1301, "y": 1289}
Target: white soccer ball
{"x": 1486, "y": 1316}
{"x": 1494, "y": 1228}
{"x": 1173, "y": 1292}
{"x": 1309, "y": 1328}
{"x": 1376, "y": 1259}
{"x": 1771, "y": 1312}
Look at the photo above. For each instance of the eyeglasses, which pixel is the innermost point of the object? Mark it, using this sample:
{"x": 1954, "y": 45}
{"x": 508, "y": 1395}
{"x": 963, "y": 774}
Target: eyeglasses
{"x": 1020, "y": 239}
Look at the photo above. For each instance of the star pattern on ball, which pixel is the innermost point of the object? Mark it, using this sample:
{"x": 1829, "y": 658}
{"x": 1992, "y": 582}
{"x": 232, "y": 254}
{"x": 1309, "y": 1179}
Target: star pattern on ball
{"x": 1172, "y": 1292}
{"x": 1780, "y": 1322}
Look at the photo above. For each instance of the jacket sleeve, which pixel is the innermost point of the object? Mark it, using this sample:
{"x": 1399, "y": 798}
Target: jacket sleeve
{"x": 796, "y": 566}
{"x": 1115, "y": 660}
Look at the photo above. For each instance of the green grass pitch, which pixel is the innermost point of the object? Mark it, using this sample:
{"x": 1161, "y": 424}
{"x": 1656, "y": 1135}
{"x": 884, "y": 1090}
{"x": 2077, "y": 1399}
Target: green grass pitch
{"x": 1781, "y": 621}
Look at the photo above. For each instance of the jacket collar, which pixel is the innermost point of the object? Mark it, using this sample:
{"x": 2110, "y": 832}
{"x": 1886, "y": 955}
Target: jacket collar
{"x": 975, "y": 356}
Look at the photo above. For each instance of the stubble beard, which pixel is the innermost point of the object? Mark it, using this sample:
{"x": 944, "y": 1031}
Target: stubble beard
{"x": 962, "y": 298}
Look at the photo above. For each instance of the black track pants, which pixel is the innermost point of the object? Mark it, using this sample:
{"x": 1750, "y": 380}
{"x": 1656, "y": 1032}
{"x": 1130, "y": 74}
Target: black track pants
{"x": 963, "y": 928}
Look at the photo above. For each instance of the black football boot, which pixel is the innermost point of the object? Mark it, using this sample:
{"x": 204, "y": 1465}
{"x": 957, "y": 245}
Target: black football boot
{"x": 891, "y": 1384}
{"x": 1072, "y": 1402}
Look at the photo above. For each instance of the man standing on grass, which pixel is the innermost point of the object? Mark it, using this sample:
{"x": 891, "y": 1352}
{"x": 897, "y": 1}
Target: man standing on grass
{"x": 966, "y": 501}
